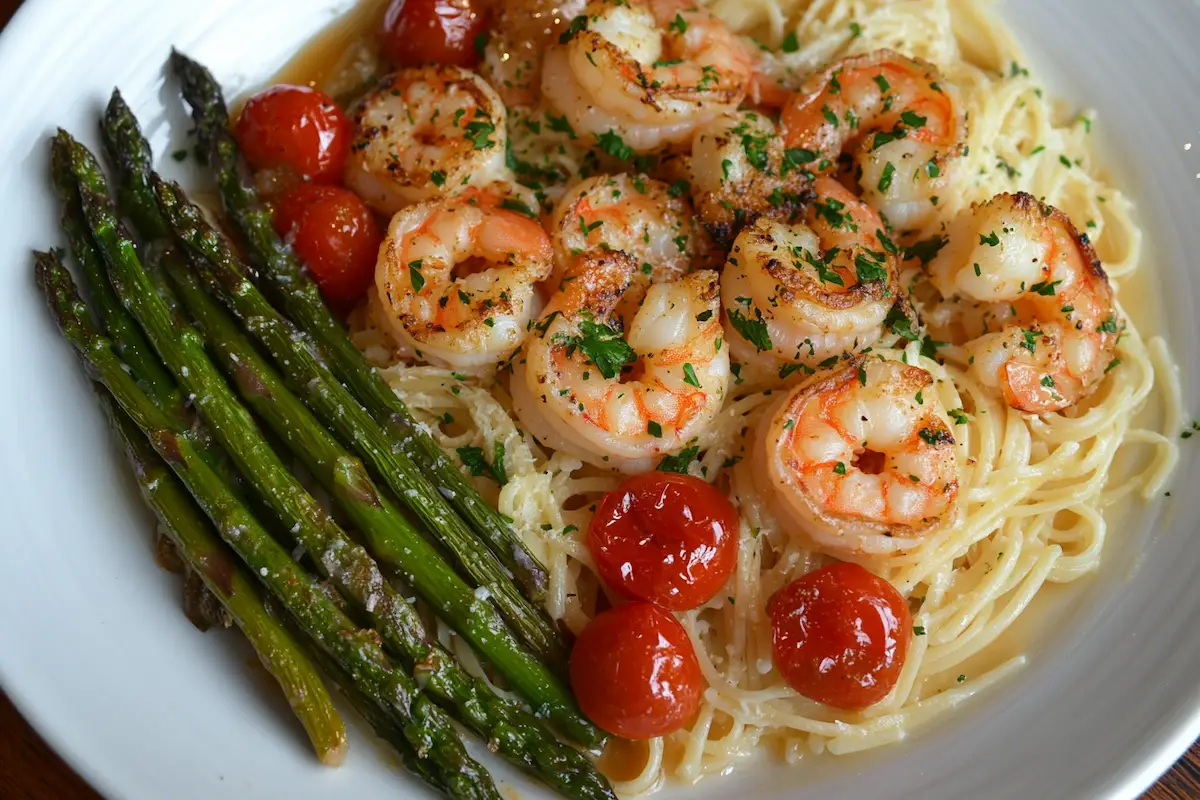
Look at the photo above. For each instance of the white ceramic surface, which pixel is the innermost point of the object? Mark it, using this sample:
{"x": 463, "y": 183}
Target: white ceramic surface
{"x": 94, "y": 651}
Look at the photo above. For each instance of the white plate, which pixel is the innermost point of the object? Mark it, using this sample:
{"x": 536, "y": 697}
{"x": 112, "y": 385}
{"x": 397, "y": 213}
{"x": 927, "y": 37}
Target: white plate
{"x": 94, "y": 651}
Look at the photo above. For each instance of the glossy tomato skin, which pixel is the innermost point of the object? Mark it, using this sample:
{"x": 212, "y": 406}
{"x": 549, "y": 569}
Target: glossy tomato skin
{"x": 432, "y": 32}
{"x": 295, "y": 127}
{"x": 635, "y": 673}
{"x": 840, "y": 635}
{"x": 666, "y": 538}
{"x": 336, "y": 236}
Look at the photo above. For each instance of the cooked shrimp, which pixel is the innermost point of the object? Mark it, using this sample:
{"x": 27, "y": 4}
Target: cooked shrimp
{"x": 862, "y": 460}
{"x": 740, "y": 171}
{"x": 634, "y": 214}
{"x": 520, "y": 34}
{"x": 649, "y": 71}
{"x": 426, "y": 133}
{"x": 802, "y": 294}
{"x": 895, "y": 117}
{"x": 476, "y": 319}
{"x": 620, "y": 401}
{"x": 1026, "y": 292}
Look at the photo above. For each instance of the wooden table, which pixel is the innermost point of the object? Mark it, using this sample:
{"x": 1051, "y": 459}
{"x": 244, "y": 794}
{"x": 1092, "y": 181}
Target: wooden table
{"x": 30, "y": 770}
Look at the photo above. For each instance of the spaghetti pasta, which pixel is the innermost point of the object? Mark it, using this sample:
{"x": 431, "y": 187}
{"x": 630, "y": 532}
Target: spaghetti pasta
{"x": 1033, "y": 489}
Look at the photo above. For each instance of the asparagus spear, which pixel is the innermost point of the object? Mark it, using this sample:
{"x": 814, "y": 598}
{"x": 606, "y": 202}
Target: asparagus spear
{"x": 183, "y": 352}
{"x": 279, "y": 269}
{"x": 338, "y": 409}
{"x": 208, "y": 558}
{"x": 131, "y": 152}
{"x": 311, "y": 380}
{"x": 357, "y": 650}
{"x": 509, "y": 730}
{"x": 131, "y": 343}
{"x": 384, "y": 728}
{"x": 352, "y": 570}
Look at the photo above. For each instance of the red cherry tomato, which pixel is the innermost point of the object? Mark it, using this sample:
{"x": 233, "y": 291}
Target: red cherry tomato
{"x": 840, "y": 635}
{"x": 667, "y": 538}
{"x": 635, "y": 673}
{"x": 432, "y": 32}
{"x": 333, "y": 231}
{"x": 295, "y": 127}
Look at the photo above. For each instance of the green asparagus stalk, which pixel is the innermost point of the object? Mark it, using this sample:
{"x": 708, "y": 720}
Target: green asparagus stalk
{"x": 510, "y": 731}
{"x": 208, "y": 558}
{"x": 183, "y": 352}
{"x": 383, "y": 726}
{"x": 132, "y": 155}
{"x": 356, "y": 650}
{"x": 338, "y": 409}
{"x": 279, "y": 269}
{"x": 349, "y": 566}
{"x": 129, "y": 152}
{"x": 312, "y": 381}
{"x": 388, "y": 534}
{"x": 131, "y": 343}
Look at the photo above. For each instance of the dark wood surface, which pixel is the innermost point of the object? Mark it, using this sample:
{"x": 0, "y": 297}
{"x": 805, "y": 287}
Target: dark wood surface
{"x": 30, "y": 770}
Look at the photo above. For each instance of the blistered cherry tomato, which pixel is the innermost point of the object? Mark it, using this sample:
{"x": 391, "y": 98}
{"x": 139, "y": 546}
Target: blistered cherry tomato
{"x": 840, "y": 635}
{"x": 432, "y": 32}
{"x": 635, "y": 673}
{"x": 295, "y": 127}
{"x": 667, "y": 538}
{"x": 334, "y": 233}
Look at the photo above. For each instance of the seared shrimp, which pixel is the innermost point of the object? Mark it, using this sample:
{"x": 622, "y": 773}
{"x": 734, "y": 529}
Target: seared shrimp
{"x": 1026, "y": 292}
{"x": 801, "y": 294}
{"x": 521, "y": 32}
{"x": 740, "y": 171}
{"x": 649, "y": 71}
{"x": 473, "y": 320}
{"x": 622, "y": 400}
{"x": 427, "y": 133}
{"x": 895, "y": 117}
{"x": 862, "y": 460}
{"x": 631, "y": 213}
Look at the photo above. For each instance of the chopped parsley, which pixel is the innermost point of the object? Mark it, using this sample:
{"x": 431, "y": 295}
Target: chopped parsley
{"x": 679, "y": 462}
{"x": 868, "y": 269}
{"x": 512, "y": 204}
{"x": 885, "y": 180}
{"x": 578, "y": 25}
{"x": 1044, "y": 288}
{"x": 473, "y": 459}
{"x": 612, "y": 143}
{"x": 414, "y": 275}
{"x": 478, "y": 131}
{"x": 753, "y": 331}
{"x": 926, "y": 249}
{"x": 560, "y": 124}
{"x": 603, "y": 346}
{"x": 933, "y": 438}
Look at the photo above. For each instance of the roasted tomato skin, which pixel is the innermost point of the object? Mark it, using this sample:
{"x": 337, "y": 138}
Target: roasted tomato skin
{"x": 840, "y": 635}
{"x": 336, "y": 236}
{"x": 635, "y": 673}
{"x": 296, "y": 128}
{"x": 666, "y": 538}
{"x": 416, "y": 32}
